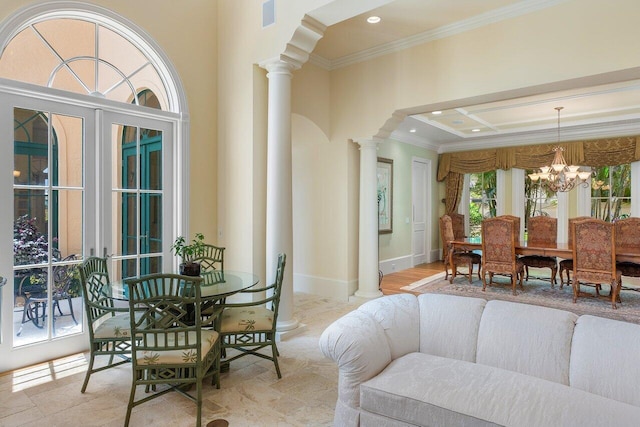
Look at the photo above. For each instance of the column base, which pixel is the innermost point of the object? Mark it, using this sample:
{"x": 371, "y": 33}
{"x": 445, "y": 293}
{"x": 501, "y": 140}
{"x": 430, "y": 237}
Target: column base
{"x": 286, "y": 325}
{"x": 368, "y": 294}
{"x": 285, "y": 335}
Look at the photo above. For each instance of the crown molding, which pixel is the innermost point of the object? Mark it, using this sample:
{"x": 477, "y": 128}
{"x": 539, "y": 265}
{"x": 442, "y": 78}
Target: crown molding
{"x": 501, "y": 14}
{"x": 413, "y": 140}
{"x": 583, "y": 132}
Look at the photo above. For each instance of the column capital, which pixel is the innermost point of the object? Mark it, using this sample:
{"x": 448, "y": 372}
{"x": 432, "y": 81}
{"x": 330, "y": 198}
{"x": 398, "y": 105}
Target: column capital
{"x": 277, "y": 66}
{"x": 368, "y": 142}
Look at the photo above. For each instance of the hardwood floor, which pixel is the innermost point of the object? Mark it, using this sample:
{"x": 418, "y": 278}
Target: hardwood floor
{"x": 392, "y": 282}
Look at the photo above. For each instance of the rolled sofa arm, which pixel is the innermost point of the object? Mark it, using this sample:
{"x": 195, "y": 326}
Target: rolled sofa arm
{"x": 364, "y": 341}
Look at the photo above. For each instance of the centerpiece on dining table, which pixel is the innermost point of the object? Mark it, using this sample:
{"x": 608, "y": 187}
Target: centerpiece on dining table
{"x": 188, "y": 252}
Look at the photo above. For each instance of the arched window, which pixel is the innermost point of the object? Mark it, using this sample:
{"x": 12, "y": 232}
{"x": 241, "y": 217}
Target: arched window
{"x": 81, "y": 56}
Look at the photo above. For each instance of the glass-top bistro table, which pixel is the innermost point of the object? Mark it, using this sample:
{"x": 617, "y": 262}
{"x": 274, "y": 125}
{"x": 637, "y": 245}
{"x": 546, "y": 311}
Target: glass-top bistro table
{"x": 216, "y": 285}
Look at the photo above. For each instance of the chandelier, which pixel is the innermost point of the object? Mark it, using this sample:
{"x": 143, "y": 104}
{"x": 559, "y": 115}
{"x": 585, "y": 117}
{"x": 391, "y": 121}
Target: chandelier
{"x": 559, "y": 176}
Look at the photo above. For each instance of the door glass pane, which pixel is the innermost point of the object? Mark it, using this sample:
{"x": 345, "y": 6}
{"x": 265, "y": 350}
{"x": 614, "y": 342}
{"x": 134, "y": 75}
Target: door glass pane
{"x": 48, "y": 232}
{"x": 137, "y": 199}
{"x": 155, "y": 223}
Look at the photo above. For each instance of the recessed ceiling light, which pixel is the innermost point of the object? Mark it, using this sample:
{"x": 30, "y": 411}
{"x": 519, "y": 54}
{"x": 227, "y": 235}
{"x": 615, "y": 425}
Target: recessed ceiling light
{"x": 436, "y": 112}
{"x": 412, "y": 130}
{"x": 373, "y": 19}
{"x": 475, "y": 130}
{"x": 457, "y": 122}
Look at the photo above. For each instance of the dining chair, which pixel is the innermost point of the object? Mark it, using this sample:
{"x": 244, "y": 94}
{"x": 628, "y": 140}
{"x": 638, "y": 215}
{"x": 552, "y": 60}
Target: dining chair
{"x": 627, "y": 240}
{"x": 566, "y": 265}
{"x": 457, "y": 222}
{"x": 516, "y": 220}
{"x": 594, "y": 257}
{"x": 456, "y": 257}
{"x": 499, "y": 251}
{"x": 170, "y": 347}
{"x": 109, "y": 326}
{"x": 250, "y": 327}
{"x": 210, "y": 258}
{"x": 542, "y": 231}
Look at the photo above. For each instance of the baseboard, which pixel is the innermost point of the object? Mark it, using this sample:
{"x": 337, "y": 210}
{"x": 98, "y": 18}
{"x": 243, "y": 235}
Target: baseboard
{"x": 396, "y": 264}
{"x": 325, "y": 287}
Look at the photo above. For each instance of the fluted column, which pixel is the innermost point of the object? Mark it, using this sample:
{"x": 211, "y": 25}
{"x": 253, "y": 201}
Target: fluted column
{"x": 279, "y": 186}
{"x": 368, "y": 230}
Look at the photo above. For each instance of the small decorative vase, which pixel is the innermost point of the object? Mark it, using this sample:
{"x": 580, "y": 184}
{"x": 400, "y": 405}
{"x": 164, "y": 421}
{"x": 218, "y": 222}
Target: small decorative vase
{"x": 190, "y": 269}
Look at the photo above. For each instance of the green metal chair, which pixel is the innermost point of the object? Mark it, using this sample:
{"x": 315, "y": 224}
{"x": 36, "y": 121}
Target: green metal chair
{"x": 250, "y": 327}
{"x": 170, "y": 346}
{"x": 211, "y": 258}
{"x": 109, "y": 333}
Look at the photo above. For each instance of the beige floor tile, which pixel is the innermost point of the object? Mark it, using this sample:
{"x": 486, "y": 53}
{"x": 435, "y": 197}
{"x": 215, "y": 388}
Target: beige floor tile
{"x": 250, "y": 394}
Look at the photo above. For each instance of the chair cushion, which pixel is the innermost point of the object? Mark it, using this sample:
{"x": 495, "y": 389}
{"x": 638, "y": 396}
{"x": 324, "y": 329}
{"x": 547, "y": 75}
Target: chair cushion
{"x": 539, "y": 261}
{"x": 244, "y": 319}
{"x": 630, "y": 269}
{"x": 118, "y": 326}
{"x": 157, "y": 357}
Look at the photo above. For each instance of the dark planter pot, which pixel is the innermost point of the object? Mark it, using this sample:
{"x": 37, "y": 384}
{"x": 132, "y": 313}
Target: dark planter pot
{"x": 190, "y": 269}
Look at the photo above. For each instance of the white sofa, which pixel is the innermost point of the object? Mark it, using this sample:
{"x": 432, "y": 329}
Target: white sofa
{"x": 442, "y": 360}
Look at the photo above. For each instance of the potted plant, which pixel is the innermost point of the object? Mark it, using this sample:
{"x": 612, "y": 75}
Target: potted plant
{"x": 187, "y": 252}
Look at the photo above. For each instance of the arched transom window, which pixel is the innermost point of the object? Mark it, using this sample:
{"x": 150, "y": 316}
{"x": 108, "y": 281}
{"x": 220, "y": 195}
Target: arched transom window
{"x": 81, "y": 56}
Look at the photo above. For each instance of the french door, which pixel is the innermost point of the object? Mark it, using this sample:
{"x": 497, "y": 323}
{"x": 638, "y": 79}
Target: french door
{"x": 140, "y": 190}
{"x": 77, "y": 180}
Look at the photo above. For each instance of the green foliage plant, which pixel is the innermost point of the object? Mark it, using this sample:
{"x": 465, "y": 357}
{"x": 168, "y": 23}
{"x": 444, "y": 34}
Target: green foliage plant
{"x": 187, "y": 251}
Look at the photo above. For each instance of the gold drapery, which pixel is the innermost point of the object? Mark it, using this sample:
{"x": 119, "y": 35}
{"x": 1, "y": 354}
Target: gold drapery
{"x": 455, "y": 182}
{"x": 594, "y": 153}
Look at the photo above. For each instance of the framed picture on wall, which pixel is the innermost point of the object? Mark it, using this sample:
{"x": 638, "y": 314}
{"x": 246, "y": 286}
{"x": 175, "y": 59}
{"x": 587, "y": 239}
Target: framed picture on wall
{"x": 385, "y": 195}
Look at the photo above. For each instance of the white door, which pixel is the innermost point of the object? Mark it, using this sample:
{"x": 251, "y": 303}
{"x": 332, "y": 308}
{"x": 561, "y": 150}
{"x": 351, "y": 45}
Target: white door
{"x": 46, "y": 194}
{"x": 137, "y": 194}
{"x": 77, "y": 180}
{"x": 420, "y": 172}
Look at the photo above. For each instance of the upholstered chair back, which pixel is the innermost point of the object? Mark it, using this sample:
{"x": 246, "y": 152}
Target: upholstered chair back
{"x": 499, "y": 245}
{"x": 627, "y": 233}
{"x": 542, "y": 230}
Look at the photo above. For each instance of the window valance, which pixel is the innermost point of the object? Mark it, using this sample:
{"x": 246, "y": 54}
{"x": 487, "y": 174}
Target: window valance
{"x": 594, "y": 153}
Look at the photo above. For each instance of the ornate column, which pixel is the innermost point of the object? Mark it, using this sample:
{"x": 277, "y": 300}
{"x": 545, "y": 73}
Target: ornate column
{"x": 279, "y": 186}
{"x": 368, "y": 230}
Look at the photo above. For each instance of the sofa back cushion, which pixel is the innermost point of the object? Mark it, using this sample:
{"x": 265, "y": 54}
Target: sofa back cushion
{"x": 604, "y": 358}
{"x": 398, "y": 315}
{"x": 449, "y": 325}
{"x": 528, "y": 339}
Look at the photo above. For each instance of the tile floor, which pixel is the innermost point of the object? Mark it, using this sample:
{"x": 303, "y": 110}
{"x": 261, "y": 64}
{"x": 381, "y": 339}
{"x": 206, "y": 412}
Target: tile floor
{"x": 250, "y": 393}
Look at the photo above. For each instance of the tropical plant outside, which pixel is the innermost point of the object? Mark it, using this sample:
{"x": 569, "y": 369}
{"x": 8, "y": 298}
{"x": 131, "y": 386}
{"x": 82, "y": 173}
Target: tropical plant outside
{"x": 611, "y": 192}
{"x": 482, "y": 193}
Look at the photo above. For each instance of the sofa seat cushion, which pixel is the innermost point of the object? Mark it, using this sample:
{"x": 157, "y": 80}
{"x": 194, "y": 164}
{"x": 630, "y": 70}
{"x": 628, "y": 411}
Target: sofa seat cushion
{"x": 422, "y": 389}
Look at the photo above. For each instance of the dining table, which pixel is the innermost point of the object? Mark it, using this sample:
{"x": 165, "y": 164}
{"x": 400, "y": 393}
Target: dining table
{"x": 560, "y": 250}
